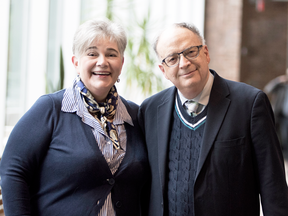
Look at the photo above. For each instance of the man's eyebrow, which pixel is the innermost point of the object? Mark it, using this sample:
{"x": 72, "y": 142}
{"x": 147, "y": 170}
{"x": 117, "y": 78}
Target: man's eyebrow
{"x": 180, "y": 52}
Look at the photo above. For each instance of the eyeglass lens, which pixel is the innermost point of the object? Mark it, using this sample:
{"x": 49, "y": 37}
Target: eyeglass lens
{"x": 189, "y": 53}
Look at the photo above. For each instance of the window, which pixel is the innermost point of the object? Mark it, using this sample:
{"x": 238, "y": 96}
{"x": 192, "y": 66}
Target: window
{"x": 54, "y": 45}
{"x": 17, "y": 58}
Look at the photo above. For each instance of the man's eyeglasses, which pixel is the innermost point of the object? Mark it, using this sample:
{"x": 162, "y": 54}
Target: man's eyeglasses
{"x": 189, "y": 53}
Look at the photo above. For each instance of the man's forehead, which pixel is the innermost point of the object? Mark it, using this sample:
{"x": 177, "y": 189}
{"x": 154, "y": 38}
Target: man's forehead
{"x": 174, "y": 38}
{"x": 169, "y": 32}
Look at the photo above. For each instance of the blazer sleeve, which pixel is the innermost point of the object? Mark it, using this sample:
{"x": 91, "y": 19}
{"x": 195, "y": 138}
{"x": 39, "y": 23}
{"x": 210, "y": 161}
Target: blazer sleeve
{"x": 26, "y": 147}
{"x": 269, "y": 159}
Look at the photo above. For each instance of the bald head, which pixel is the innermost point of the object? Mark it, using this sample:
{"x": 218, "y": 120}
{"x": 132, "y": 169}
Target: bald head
{"x": 188, "y": 26}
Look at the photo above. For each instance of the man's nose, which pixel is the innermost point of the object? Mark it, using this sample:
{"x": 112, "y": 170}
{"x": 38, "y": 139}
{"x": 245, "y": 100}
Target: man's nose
{"x": 183, "y": 61}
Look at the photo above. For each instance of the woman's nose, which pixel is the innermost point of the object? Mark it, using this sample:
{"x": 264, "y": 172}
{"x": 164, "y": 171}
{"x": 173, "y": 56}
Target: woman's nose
{"x": 101, "y": 61}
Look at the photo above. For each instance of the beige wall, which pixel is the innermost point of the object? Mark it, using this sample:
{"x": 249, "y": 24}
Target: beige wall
{"x": 223, "y": 36}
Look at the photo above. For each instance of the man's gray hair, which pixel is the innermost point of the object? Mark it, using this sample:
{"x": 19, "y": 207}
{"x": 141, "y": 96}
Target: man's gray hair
{"x": 188, "y": 26}
{"x": 93, "y": 30}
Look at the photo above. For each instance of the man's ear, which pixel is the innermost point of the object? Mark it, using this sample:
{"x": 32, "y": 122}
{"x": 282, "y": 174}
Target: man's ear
{"x": 163, "y": 70}
{"x": 206, "y": 52}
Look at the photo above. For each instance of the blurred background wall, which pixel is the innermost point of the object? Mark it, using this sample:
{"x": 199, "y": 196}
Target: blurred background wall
{"x": 36, "y": 47}
{"x": 247, "y": 41}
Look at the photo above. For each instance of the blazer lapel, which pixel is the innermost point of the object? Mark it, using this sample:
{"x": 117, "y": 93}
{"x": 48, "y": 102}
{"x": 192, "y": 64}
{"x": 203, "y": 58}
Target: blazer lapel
{"x": 164, "y": 115}
{"x": 217, "y": 108}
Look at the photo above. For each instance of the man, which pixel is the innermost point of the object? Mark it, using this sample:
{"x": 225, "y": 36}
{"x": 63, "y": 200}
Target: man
{"x": 223, "y": 156}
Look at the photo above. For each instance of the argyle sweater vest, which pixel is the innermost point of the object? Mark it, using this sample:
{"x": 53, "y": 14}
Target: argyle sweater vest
{"x": 184, "y": 149}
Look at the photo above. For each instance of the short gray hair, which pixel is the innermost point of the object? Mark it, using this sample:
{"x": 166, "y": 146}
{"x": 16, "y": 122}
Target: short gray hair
{"x": 188, "y": 26}
{"x": 92, "y": 30}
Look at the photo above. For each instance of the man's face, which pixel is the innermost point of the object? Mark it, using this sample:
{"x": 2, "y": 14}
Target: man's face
{"x": 189, "y": 76}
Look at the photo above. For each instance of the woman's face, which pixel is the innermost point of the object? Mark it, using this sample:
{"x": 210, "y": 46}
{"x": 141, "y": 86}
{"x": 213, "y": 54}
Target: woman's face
{"x": 99, "y": 67}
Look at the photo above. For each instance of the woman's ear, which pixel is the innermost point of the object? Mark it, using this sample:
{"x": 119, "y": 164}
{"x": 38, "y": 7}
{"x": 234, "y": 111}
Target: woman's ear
{"x": 75, "y": 62}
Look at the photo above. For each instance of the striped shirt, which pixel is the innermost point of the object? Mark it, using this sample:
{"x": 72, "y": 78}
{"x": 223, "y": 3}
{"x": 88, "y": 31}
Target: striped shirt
{"x": 72, "y": 102}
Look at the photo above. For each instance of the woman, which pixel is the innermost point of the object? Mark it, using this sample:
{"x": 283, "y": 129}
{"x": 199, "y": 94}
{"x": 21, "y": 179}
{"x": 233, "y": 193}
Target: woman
{"x": 79, "y": 151}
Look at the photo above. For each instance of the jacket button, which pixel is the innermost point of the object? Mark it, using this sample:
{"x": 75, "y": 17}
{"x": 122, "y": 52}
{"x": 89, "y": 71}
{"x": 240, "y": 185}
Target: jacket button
{"x": 111, "y": 181}
{"x": 118, "y": 204}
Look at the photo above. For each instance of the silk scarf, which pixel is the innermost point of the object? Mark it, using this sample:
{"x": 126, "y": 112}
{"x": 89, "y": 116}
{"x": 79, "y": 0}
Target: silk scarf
{"x": 104, "y": 112}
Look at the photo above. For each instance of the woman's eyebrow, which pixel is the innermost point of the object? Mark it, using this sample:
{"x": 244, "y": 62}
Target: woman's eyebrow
{"x": 108, "y": 49}
{"x": 112, "y": 49}
{"x": 93, "y": 47}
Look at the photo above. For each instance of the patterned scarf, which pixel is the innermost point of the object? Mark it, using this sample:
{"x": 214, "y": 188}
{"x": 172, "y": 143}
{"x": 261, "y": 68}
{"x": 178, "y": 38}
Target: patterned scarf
{"x": 103, "y": 112}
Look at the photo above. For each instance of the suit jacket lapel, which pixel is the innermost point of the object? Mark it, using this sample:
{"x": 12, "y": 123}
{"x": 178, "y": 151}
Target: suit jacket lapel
{"x": 217, "y": 108}
{"x": 164, "y": 115}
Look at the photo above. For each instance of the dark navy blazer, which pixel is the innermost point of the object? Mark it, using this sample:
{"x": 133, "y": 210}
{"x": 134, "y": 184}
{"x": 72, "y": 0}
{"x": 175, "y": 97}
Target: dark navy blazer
{"x": 52, "y": 166}
{"x": 240, "y": 155}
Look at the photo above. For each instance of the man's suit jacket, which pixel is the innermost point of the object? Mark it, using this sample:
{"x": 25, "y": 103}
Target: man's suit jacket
{"x": 240, "y": 155}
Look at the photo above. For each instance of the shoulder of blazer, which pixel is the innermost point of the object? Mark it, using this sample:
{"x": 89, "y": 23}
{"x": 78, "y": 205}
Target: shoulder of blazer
{"x": 224, "y": 87}
{"x": 159, "y": 98}
{"x": 131, "y": 107}
{"x": 57, "y": 98}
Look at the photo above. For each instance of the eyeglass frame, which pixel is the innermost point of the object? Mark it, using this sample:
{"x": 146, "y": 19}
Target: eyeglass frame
{"x": 199, "y": 47}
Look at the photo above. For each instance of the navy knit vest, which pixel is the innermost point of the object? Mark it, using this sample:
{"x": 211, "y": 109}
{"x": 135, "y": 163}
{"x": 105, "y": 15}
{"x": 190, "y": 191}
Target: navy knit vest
{"x": 184, "y": 149}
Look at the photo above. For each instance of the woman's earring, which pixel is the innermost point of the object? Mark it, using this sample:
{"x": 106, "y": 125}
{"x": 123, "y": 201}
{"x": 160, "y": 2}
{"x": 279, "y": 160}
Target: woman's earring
{"x": 118, "y": 80}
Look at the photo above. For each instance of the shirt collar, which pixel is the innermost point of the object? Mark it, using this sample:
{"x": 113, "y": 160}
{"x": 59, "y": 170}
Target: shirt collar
{"x": 72, "y": 102}
{"x": 203, "y": 96}
{"x": 122, "y": 114}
